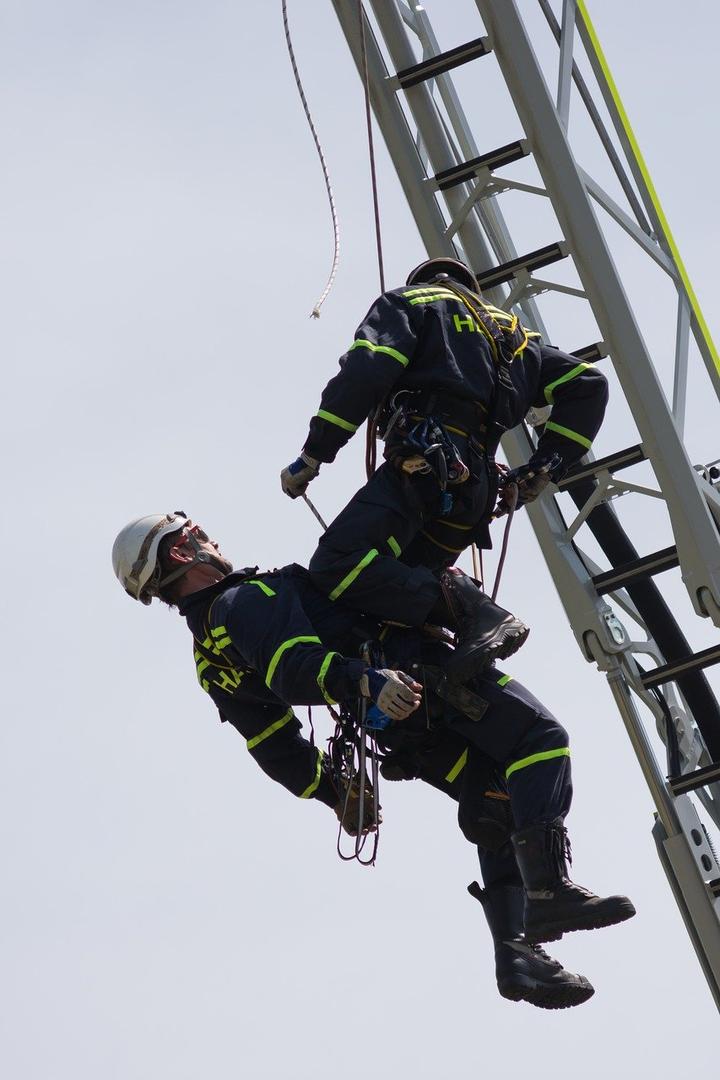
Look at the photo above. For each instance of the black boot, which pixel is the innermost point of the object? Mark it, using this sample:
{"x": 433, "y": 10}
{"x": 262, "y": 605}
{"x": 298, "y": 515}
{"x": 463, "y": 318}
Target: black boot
{"x": 554, "y": 905}
{"x": 525, "y": 972}
{"x": 485, "y": 632}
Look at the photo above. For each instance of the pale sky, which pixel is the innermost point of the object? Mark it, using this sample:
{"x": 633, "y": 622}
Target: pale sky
{"x": 166, "y": 910}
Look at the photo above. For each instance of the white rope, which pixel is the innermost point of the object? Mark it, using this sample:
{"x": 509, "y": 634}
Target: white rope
{"x": 315, "y": 313}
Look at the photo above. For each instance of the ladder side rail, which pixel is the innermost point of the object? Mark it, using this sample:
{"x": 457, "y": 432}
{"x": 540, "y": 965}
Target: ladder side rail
{"x": 491, "y": 218}
{"x": 646, "y": 188}
{"x": 596, "y": 119}
{"x": 396, "y": 132}
{"x": 691, "y": 897}
{"x": 441, "y": 152}
{"x": 695, "y": 533}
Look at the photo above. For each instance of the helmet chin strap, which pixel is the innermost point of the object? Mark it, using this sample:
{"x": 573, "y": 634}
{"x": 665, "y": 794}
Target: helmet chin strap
{"x": 199, "y": 556}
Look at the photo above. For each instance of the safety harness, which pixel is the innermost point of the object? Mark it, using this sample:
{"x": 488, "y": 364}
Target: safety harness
{"x": 420, "y": 423}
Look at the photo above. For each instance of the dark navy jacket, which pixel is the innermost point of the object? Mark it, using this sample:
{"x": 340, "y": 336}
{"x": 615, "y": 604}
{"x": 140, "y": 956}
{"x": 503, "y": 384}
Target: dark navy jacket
{"x": 257, "y": 654}
{"x": 425, "y": 338}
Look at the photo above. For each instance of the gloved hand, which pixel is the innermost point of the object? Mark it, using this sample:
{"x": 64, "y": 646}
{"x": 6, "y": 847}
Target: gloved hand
{"x": 394, "y": 692}
{"x": 295, "y": 477}
{"x": 529, "y": 481}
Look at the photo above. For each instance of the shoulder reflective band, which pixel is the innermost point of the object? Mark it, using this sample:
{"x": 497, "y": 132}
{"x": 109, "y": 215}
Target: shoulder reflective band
{"x": 356, "y": 570}
{"x": 313, "y": 787}
{"x": 578, "y": 370}
{"x": 425, "y": 289}
{"x": 433, "y": 297}
{"x": 261, "y": 585}
{"x": 457, "y": 767}
{"x": 545, "y": 755}
{"x": 283, "y": 648}
{"x": 270, "y": 730}
{"x": 394, "y": 546}
{"x": 361, "y": 343}
{"x": 337, "y": 420}
{"x": 569, "y": 434}
{"x": 321, "y": 677}
{"x": 504, "y": 680}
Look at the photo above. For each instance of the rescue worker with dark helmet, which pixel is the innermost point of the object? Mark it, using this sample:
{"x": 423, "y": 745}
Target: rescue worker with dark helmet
{"x": 450, "y": 374}
{"x": 266, "y": 641}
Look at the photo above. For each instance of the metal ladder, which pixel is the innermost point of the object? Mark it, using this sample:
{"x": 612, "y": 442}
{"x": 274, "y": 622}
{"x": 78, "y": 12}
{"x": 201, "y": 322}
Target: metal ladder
{"x": 455, "y": 190}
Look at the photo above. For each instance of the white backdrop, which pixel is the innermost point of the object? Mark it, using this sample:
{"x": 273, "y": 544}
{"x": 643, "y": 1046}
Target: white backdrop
{"x": 166, "y": 911}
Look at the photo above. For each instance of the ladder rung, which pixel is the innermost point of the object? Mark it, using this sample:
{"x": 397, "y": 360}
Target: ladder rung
{"x": 590, "y": 353}
{"x": 696, "y": 779}
{"x": 446, "y": 61}
{"x": 630, "y": 572}
{"x": 459, "y": 174}
{"x": 671, "y": 671}
{"x": 623, "y": 459}
{"x": 488, "y": 279}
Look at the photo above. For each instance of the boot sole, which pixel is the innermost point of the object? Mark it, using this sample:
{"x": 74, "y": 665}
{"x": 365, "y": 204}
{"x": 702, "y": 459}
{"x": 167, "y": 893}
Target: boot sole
{"x": 506, "y": 642}
{"x": 509, "y": 641}
{"x": 554, "y": 931}
{"x": 546, "y": 997}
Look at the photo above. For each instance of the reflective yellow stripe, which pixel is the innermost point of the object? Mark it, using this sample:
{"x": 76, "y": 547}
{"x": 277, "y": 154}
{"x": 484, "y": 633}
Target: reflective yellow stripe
{"x": 569, "y": 434}
{"x": 261, "y": 585}
{"x": 578, "y": 370}
{"x": 428, "y": 289}
{"x": 394, "y": 546}
{"x": 281, "y": 649}
{"x": 361, "y": 343}
{"x": 349, "y": 578}
{"x": 337, "y": 420}
{"x": 433, "y": 298}
{"x": 504, "y": 680}
{"x": 630, "y": 134}
{"x": 455, "y": 551}
{"x": 270, "y": 730}
{"x": 313, "y": 787}
{"x": 457, "y": 767}
{"x": 220, "y": 641}
{"x": 545, "y": 755}
{"x": 321, "y": 677}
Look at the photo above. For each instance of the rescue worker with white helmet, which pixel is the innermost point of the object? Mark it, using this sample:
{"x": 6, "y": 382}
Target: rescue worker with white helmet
{"x": 266, "y": 641}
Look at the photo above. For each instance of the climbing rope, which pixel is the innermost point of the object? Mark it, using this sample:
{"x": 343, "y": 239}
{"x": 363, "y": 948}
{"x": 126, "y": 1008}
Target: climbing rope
{"x": 315, "y": 313}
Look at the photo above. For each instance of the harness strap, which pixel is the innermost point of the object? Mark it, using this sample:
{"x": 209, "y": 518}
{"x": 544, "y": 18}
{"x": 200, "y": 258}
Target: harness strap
{"x": 500, "y": 415}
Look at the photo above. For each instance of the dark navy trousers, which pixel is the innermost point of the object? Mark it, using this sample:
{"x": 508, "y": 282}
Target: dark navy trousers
{"x": 382, "y": 553}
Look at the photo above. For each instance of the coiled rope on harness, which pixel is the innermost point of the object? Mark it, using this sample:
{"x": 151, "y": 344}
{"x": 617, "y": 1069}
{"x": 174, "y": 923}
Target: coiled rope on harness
{"x": 315, "y": 313}
{"x": 349, "y": 748}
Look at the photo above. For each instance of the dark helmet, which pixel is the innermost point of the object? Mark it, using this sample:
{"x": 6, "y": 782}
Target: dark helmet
{"x": 432, "y": 269}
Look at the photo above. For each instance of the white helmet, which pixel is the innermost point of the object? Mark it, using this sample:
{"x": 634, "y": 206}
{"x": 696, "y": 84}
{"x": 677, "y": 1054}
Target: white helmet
{"x": 135, "y": 551}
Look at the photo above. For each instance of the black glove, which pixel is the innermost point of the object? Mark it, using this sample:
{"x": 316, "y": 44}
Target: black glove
{"x": 529, "y": 481}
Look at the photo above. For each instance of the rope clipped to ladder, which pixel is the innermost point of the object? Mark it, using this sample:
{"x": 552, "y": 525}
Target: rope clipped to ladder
{"x": 315, "y": 313}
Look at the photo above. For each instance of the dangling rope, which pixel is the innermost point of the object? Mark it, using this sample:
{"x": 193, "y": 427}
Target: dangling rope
{"x": 315, "y": 313}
